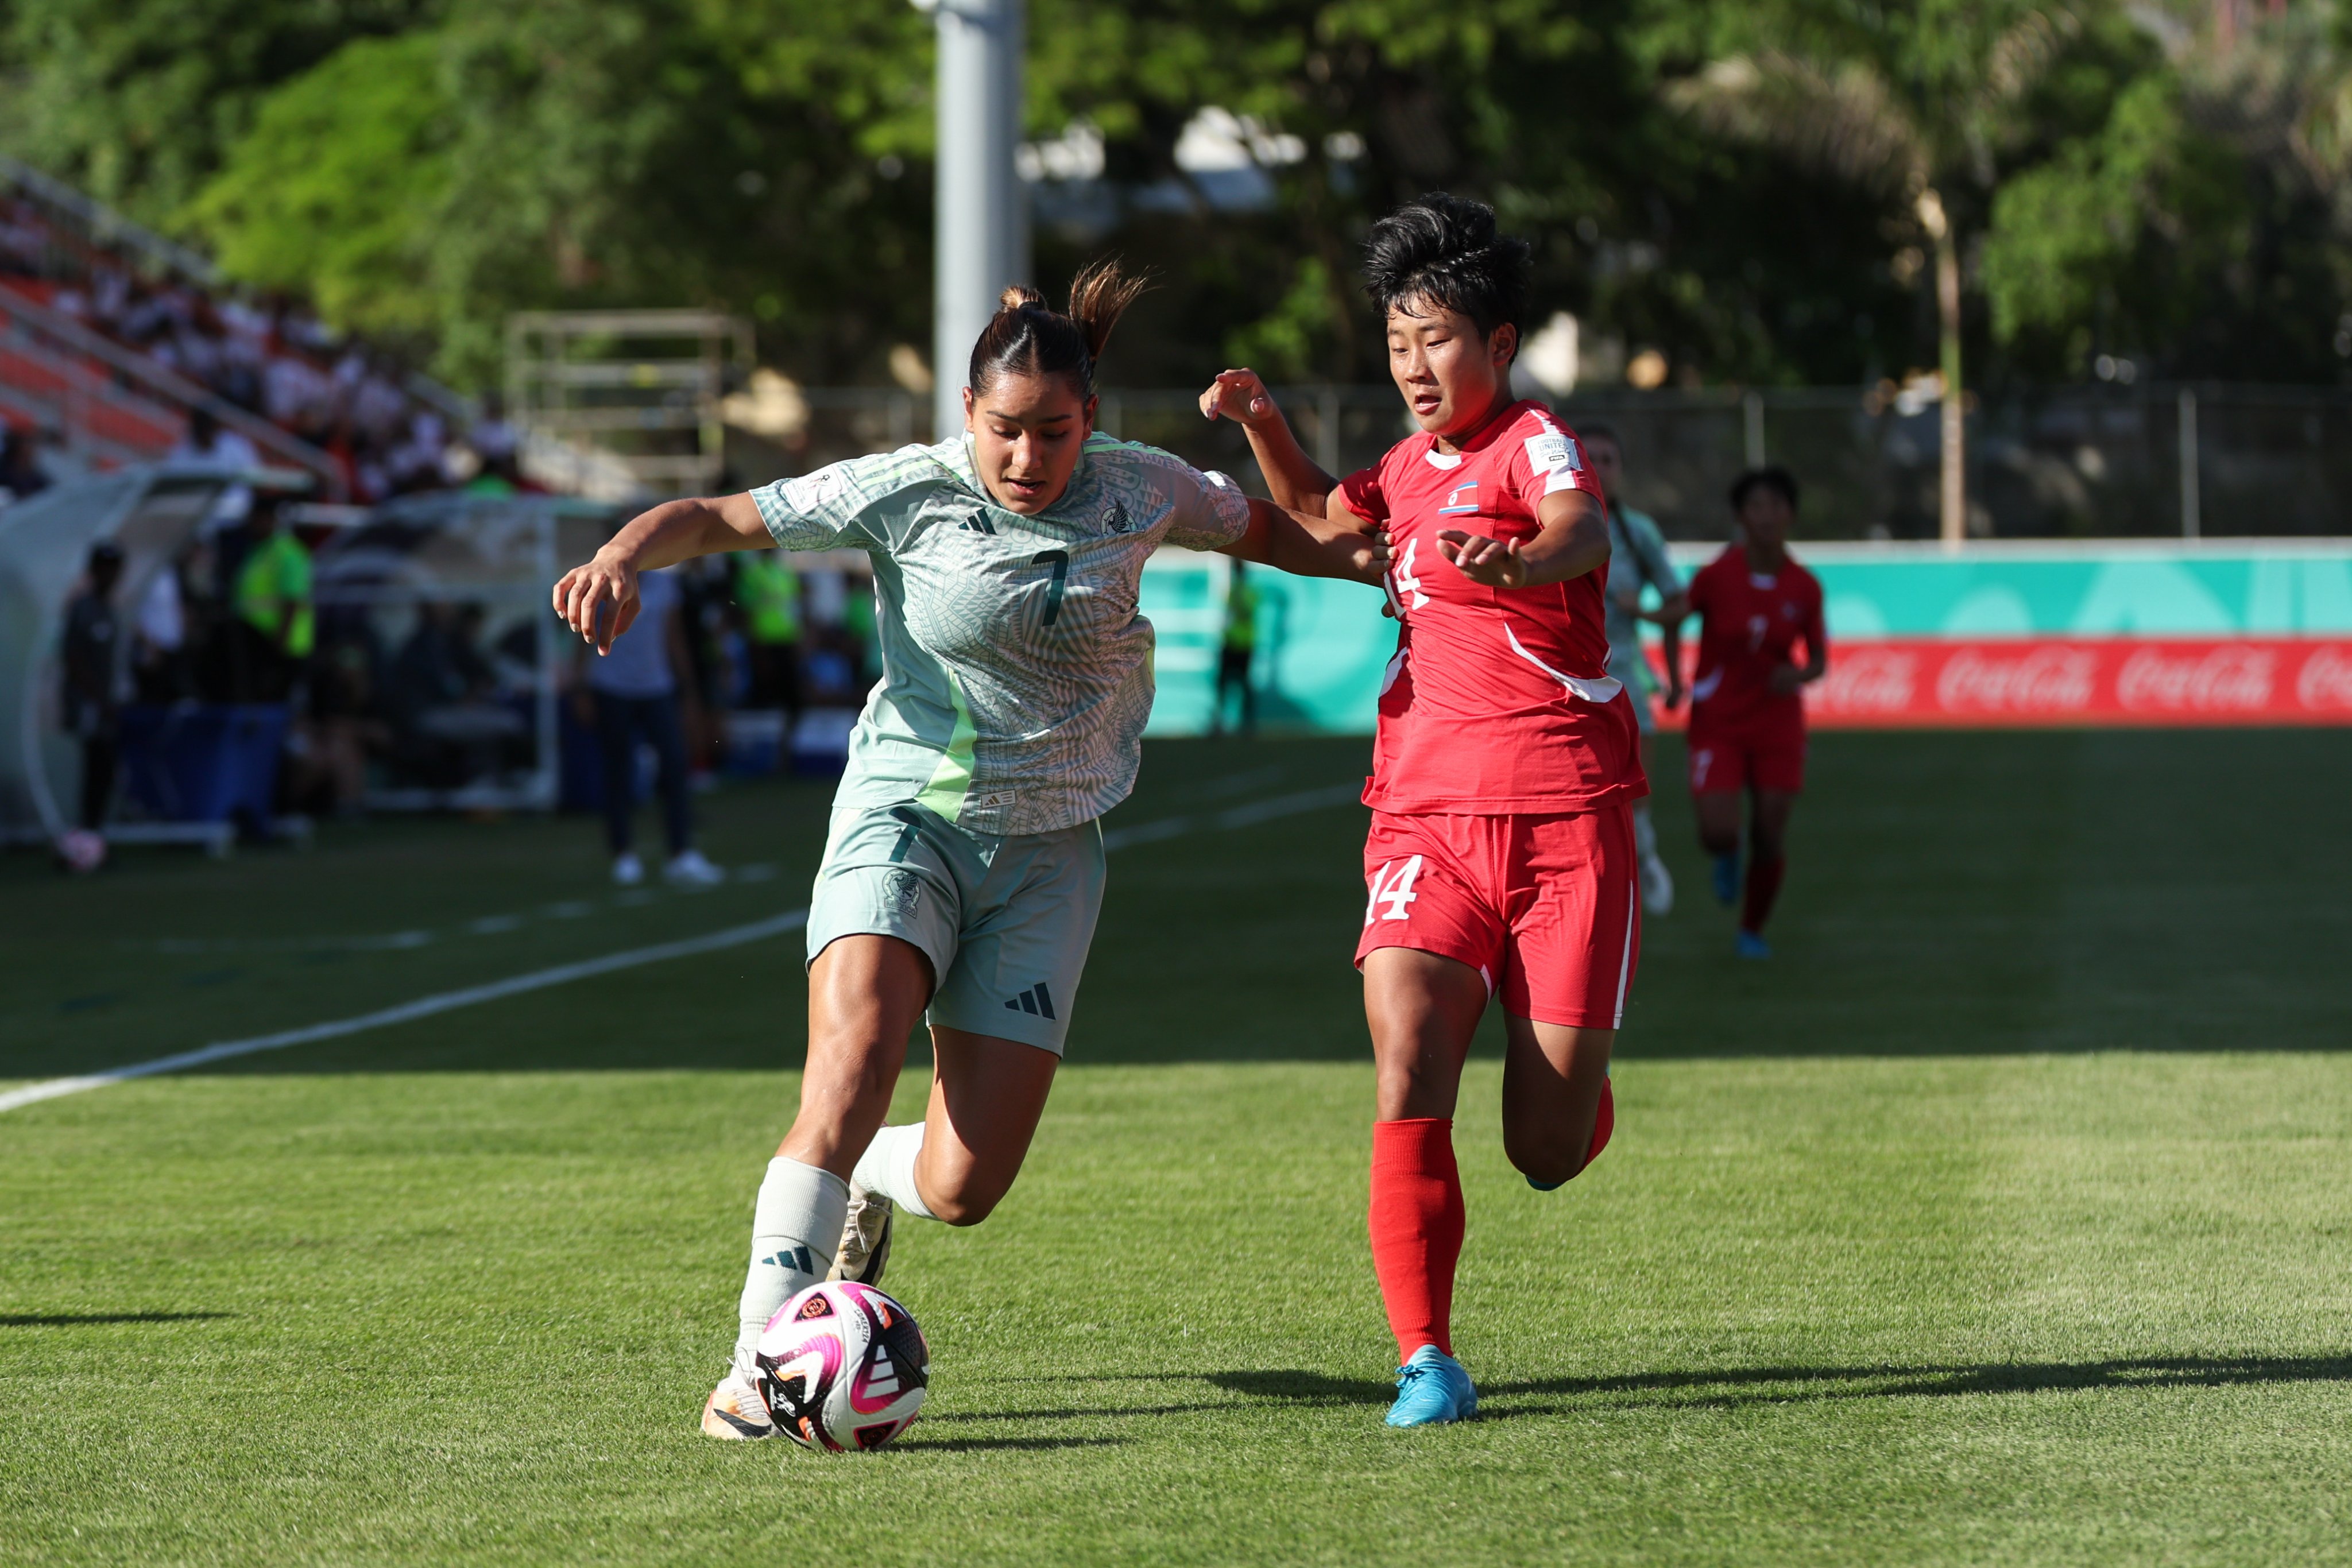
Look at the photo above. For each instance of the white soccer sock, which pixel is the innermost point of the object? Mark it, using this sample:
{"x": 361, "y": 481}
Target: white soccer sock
{"x": 887, "y": 1166}
{"x": 1645, "y": 834}
{"x": 795, "y": 1229}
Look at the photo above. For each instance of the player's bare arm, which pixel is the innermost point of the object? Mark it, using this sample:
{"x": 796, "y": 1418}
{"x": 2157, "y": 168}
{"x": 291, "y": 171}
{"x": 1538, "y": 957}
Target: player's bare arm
{"x": 1574, "y": 540}
{"x": 1669, "y": 617}
{"x": 1297, "y": 484}
{"x": 1786, "y": 678}
{"x": 663, "y": 536}
{"x": 1308, "y": 546}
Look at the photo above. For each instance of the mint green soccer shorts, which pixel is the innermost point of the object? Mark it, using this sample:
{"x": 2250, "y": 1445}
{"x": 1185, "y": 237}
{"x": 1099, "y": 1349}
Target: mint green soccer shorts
{"x": 1006, "y": 920}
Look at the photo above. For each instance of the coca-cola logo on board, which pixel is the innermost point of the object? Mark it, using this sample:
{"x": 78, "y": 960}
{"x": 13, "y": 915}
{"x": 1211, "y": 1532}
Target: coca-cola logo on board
{"x": 2217, "y": 680}
{"x": 2325, "y": 682}
{"x": 1866, "y": 680}
{"x": 2041, "y": 680}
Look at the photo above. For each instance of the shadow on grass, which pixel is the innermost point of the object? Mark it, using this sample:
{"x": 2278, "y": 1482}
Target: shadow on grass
{"x": 1787, "y": 1384}
{"x": 67, "y": 1320}
{"x": 1104, "y": 1413}
{"x": 985, "y": 1445}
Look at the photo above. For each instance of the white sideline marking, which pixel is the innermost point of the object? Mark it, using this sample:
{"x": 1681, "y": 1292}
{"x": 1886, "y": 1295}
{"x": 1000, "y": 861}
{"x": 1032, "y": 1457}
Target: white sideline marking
{"x": 1232, "y": 817}
{"x": 423, "y": 1007}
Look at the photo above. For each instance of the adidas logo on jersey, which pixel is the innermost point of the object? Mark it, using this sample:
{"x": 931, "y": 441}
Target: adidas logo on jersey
{"x": 976, "y": 524}
{"x": 1035, "y": 999}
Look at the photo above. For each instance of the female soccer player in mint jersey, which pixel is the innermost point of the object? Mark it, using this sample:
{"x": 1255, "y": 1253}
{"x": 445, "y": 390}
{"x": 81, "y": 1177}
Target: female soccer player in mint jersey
{"x": 964, "y": 868}
{"x": 1501, "y": 861}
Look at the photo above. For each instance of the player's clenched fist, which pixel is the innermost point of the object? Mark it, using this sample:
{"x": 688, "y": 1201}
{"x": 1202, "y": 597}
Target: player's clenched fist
{"x": 585, "y": 590}
{"x": 1239, "y": 396}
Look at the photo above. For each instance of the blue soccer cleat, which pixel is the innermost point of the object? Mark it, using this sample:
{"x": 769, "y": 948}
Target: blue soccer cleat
{"x": 1432, "y": 1388}
{"x": 1727, "y": 878}
{"x": 1750, "y": 944}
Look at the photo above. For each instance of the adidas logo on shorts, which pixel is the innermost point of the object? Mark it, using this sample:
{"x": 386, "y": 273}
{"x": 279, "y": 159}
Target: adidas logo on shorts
{"x": 1035, "y": 999}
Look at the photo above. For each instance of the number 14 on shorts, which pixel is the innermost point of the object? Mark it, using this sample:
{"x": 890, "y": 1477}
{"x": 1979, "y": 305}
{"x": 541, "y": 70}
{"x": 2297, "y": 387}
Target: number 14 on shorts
{"x": 1392, "y": 886}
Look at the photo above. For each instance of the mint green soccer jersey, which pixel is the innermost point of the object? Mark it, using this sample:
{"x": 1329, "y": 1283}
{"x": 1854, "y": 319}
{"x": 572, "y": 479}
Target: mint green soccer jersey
{"x": 1016, "y": 672}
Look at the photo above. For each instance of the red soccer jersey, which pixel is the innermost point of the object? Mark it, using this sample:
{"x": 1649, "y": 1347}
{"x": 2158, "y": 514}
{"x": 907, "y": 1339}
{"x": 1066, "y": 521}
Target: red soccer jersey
{"x": 1498, "y": 700}
{"x": 1748, "y": 625}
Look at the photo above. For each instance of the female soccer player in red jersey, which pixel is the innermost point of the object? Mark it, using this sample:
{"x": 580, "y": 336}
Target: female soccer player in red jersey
{"x": 1501, "y": 858}
{"x": 1748, "y": 721}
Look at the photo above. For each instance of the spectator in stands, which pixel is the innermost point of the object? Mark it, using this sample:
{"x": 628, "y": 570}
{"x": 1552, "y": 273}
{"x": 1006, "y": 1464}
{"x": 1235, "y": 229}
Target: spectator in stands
{"x": 93, "y": 638}
{"x": 206, "y": 441}
{"x": 273, "y": 618}
{"x": 633, "y": 696}
{"x": 21, "y": 474}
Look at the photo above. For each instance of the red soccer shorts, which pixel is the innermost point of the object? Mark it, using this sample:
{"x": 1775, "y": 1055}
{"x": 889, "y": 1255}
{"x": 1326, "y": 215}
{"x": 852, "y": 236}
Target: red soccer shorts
{"x": 1760, "y": 756}
{"x": 1544, "y": 907}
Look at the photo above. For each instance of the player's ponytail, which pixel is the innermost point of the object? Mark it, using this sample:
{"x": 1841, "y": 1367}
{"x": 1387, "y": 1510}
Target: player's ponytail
{"x": 1028, "y": 337}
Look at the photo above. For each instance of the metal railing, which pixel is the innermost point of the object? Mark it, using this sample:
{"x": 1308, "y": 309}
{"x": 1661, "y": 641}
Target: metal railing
{"x": 2212, "y": 459}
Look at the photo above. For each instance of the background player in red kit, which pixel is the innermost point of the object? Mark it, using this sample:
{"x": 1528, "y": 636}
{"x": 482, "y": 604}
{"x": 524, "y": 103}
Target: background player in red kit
{"x": 1501, "y": 859}
{"x": 1748, "y": 719}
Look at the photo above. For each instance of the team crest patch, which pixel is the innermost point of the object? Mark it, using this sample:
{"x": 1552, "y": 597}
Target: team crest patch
{"x": 900, "y": 890}
{"x": 1115, "y": 519}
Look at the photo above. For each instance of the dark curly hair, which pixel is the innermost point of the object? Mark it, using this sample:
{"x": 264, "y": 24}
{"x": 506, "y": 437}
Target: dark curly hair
{"x": 1442, "y": 250}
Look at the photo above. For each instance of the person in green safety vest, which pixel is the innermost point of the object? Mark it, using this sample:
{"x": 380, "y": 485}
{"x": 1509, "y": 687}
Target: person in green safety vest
{"x": 768, "y": 593}
{"x": 274, "y": 622}
{"x": 1238, "y": 648}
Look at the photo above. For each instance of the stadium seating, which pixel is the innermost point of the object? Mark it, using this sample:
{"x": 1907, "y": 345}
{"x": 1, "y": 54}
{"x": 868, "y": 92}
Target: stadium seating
{"x": 111, "y": 337}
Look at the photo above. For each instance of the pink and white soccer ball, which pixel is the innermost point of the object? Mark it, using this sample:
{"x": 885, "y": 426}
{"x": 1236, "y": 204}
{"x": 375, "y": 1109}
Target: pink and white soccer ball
{"x": 80, "y": 850}
{"x": 843, "y": 1366}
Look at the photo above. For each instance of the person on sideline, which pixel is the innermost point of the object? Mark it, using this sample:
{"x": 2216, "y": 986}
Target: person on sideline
{"x": 1235, "y": 652}
{"x": 92, "y": 646}
{"x": 633, "y": 693}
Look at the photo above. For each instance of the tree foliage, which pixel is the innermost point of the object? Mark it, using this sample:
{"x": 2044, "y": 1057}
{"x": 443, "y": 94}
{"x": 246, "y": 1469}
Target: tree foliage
{"x": 1732, "y": 182}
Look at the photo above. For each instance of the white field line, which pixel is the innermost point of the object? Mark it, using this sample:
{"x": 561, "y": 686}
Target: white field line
{"x": 1232, "y": 817}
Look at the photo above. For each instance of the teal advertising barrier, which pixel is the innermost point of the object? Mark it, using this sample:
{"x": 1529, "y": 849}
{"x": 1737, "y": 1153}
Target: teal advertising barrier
{"x": 1322, "y": 644}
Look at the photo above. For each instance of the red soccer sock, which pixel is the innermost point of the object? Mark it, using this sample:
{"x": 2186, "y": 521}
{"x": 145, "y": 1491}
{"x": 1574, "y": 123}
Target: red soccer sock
{"x": 1416, "y": 1227}
{"x": 1763, "y": 887}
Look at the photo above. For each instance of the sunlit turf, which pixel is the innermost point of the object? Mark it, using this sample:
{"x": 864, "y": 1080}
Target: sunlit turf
{"x": 2000, "y": 1217}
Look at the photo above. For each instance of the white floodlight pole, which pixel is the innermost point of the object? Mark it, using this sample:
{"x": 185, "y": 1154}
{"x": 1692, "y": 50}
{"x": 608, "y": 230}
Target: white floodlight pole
{"x": 982, "y": 239}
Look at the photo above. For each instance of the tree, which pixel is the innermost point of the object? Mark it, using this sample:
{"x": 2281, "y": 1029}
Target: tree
{"x": 135, "y": 100}
{"x": 1915, "y": 102}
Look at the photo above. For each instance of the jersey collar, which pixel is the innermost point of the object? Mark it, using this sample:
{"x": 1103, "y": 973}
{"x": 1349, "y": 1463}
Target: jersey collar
{"x": 955, "y": 456}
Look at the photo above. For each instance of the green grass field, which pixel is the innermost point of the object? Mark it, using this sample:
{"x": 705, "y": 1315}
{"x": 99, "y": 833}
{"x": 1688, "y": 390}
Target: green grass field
{"x": 2002, "y": 1217}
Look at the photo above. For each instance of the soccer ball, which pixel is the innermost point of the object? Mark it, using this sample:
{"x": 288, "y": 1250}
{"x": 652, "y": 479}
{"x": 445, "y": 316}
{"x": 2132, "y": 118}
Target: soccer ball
{"x": 80, "y": 851}
{"x": 841, "y": 1365}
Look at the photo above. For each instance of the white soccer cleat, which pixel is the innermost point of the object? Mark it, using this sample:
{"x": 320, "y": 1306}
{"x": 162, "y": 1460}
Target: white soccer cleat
{"x": 735, "y": 1412}
{"x": 688, "y": 869}
{"x": 627, "y": 868}
{"x": 864, "y": 1247}
{"x": 1658, "y": 886}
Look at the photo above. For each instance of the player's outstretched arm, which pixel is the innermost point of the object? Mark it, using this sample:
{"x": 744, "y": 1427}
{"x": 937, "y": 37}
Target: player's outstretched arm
{"x": 1293, "y": 479}
{"x": 663, "y": 536}
{"x": 1309, "y": 545}
{"x": 1573, "y": 541}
